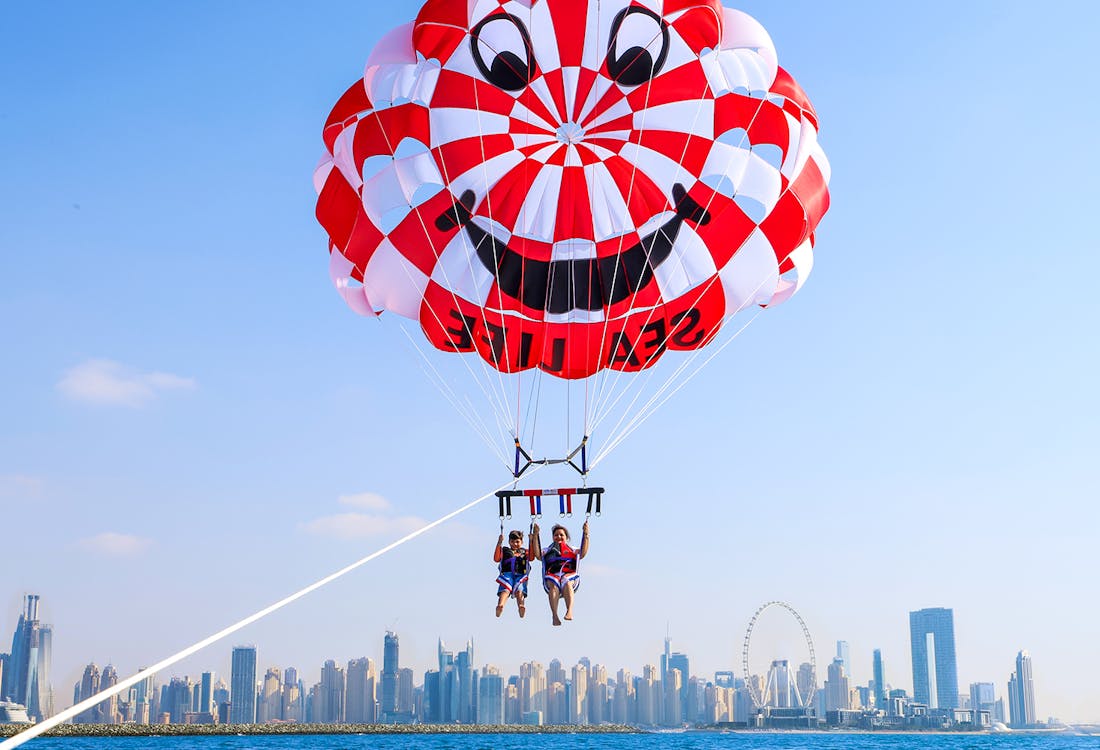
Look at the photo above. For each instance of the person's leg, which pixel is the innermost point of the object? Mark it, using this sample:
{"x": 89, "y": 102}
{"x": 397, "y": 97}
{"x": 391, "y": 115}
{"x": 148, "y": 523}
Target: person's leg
{"x": 502, "y": 597}
{"x": 521, "y": 605}
{"x": 553, "y": 594}
{"x": 567, "y": 594}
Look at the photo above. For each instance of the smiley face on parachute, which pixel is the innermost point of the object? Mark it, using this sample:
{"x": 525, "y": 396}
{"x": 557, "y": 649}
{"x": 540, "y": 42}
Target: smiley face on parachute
{"x": 571, "y": 184}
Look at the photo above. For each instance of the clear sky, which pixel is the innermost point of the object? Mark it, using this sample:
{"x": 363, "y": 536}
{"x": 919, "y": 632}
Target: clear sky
{"x": 193, "y": 424}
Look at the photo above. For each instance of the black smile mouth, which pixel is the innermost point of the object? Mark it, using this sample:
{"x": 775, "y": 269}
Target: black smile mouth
{"x": 559, "y": 286}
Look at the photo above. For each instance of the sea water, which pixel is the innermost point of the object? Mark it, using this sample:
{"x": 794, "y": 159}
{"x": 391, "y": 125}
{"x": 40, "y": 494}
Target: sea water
{"x": 653, "y": 741}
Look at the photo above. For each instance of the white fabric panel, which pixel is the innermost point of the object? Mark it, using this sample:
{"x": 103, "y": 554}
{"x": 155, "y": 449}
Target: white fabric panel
{"x": 523, "y": 140}
{"x": 664, "y": 171}
{"x": 610, "y": 216}
{"x": 339, "y": 270}
{"x": 803, "y": 260}
{"x": 455, "y": 123}
{"x": 689, "y": 265}
{"x": 794, "y": 129}
{"x": 395, "y": 47}
{"x": 392, "y": 283}
{"x": 752, "y": 176}
{"x": 694, "y": 117}
{"x": 394, "y": 186}
{"x": 619, "y": 109}
{"x": 481, "y": 177}
{"x": 575, "y": 249}
{"x": 544, "y": 41}
{"x": 742, "y": 31}
{"x": 343, "y": 156}
{"x": 807, "y": 142}
{"x": 416, "y": 171}
{"x": 386, "y": 84}
{"x": 570, "y": 78}
{"x": 459, "y": 270}
{"x": 751, "y": 275}
{"x": 540, "y": 89}
{"x": 576, "y": 316}
{"x": 543, "y": 154}
{"x": 523, "y": 113}
{"x": 321, "y": 173}
{"x": 572, "y": 158}
{"x": 540, "y": 209}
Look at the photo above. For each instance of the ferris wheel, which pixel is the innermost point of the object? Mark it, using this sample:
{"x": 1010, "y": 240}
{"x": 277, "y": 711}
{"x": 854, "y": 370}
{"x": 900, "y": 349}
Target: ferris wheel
{"x": 761, "y": 700}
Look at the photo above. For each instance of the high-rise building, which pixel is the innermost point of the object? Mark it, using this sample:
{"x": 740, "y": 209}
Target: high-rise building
{"x": 879, "y": 675}
{"x": 26, "y": 676}
{"x": 361, "y": 689}
{"x": 242, "y": 686}
{"x": 85, "y": 689}
{"x": 983, "y": 698}
{"x": 390, "y": 667}
{"x": 1021, "y": 693}
{"x": 206, "y": 693}
{"x": 329, "y": 698}
{"x": 3, "y": 665}
{"x": 837, "y": 694}
{"x": 845, "y": 655}
{"x": 932, "y": 641}
{"x": 269, "y": 706}
{"x": 108, "y": 709}
{"x": 490, "y": 696}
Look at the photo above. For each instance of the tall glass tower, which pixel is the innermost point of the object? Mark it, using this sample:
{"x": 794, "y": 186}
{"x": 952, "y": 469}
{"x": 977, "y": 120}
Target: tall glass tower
{"x": 880, "y": 680}
{"x": 26, "y": 676}
{"x": 1021, "y": 693}
{"x": 242, "y": 686}
{"x": 390, "y": 668}
{"x": 932, "y": 641}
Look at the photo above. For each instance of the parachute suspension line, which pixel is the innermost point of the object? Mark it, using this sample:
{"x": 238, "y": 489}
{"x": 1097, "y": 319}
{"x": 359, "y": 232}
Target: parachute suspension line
{"x": 496, "y": 401}
{"x": 606, "y": 396}
{"x": 466, "y": 410}
{"x": 695, "y": 353}
{"x": 622, "y": 239}
{"x": 653, "y": 405}
{"x": 37, "y": 729}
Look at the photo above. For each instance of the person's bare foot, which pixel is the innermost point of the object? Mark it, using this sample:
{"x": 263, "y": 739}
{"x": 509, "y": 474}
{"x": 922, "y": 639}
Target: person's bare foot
{"x": 568, "y": 615}
{"x": 500, "y": 608}
{"x": 556, "y": 620}
{"x": 522, "y": 609}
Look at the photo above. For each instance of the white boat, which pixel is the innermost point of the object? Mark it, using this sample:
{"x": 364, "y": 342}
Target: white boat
{"x": 13, "y": 713}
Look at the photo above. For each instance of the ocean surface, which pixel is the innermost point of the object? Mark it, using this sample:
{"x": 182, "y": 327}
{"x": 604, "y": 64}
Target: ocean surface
{"x": 656, "y": 741}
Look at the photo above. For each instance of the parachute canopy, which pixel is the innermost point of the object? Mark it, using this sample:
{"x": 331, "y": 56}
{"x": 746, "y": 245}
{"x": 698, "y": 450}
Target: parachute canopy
{"x": 571, "y": 185}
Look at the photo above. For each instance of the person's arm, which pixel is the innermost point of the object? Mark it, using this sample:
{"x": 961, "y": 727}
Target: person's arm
{"x": 534, "y": 549}
{"x": 497, "y": 553}
{"x": 584, "y": 541}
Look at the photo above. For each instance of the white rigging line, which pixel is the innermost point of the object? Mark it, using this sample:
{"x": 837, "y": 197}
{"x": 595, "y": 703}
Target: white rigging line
{"x": 69, "y": 713}
{"x": 653, "y": 404}
{"x": 464, "y": 408}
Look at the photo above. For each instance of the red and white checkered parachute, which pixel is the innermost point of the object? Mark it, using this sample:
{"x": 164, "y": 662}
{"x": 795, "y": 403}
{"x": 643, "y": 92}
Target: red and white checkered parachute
{"x": 571, "y": 186}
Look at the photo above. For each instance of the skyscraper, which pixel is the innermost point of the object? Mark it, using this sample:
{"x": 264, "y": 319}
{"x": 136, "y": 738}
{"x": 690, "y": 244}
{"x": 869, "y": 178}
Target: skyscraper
{"x": 27, "y": 672}
{"x": 490, "y": 696}
{"x": 932, "y": 641}
{"x": 844, "y": 654}
{"x": 879, "y": 676}
{"x": 390, "y": 667}
{"x": 1021, "y": 693}
{"x": 360, "y": 700}
{"x": 242, "y": 686}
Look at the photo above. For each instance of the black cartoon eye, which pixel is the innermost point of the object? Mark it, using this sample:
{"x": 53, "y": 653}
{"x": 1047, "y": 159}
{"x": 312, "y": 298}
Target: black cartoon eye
{"x": 503, "y": 40}
{"x": 636, "y": 34}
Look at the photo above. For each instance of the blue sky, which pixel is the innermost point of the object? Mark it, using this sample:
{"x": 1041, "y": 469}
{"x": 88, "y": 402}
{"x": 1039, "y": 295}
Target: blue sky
{"x": 185, "y": 400}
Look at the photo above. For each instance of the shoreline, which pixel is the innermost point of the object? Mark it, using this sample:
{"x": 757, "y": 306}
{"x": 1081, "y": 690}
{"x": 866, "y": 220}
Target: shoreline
{"x": 197, "y": 730}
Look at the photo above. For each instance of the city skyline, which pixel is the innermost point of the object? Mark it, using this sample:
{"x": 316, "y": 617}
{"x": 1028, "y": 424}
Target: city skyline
{"x": 193, "y": 415}
{"x": 341, "y": 695}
